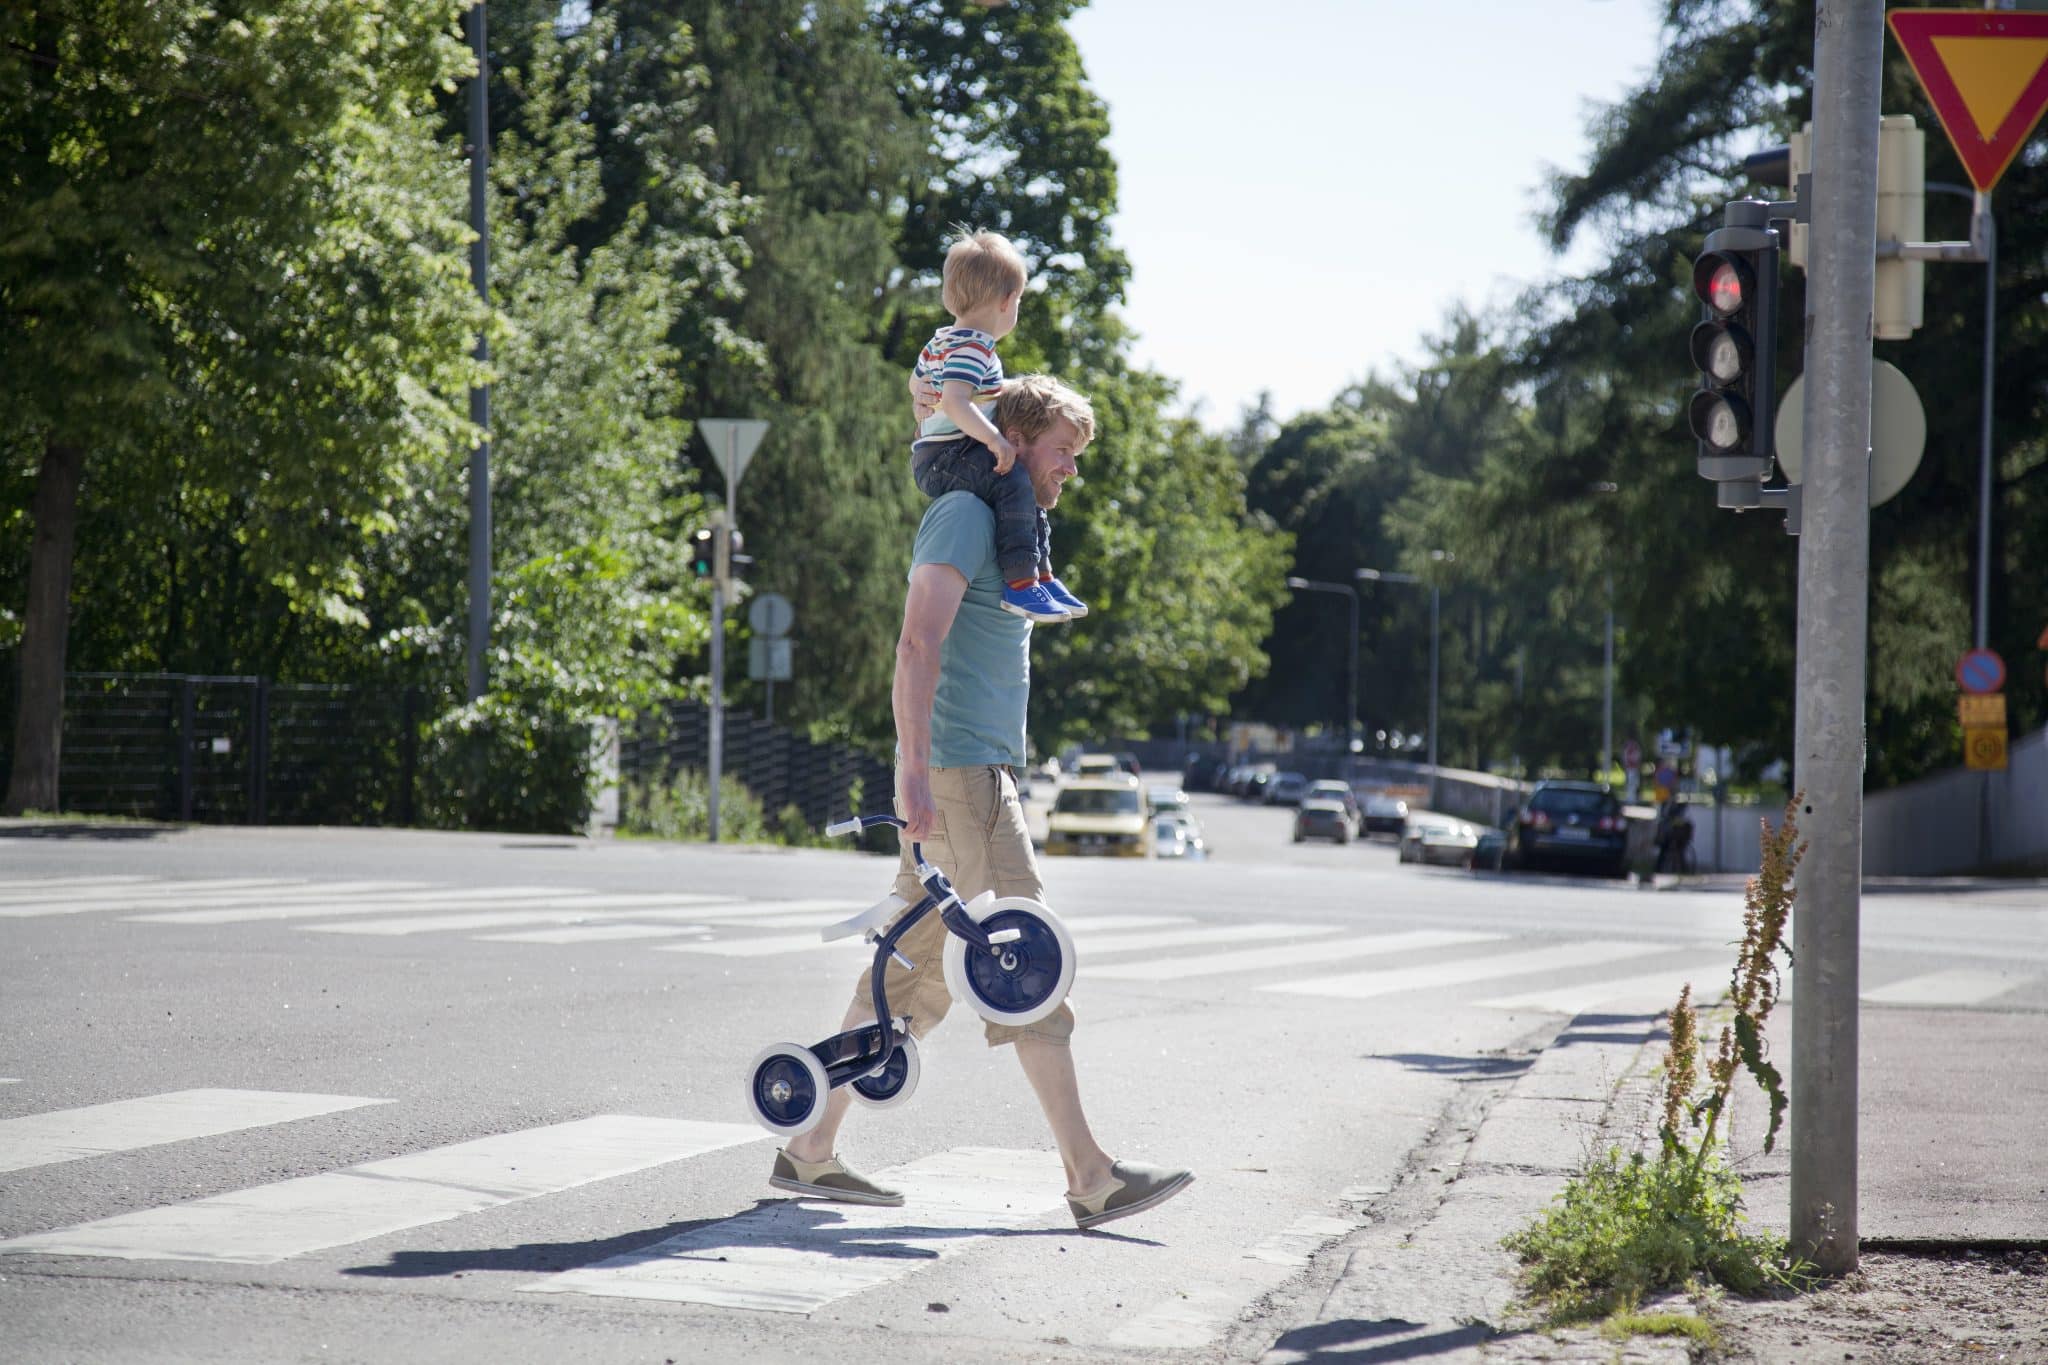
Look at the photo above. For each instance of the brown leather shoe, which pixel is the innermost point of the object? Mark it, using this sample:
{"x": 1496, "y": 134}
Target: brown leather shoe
{"x": 828, "y": 1180}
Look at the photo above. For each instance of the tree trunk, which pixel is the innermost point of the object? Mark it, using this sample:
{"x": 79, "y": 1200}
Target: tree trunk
{"x": 46, "y": 629}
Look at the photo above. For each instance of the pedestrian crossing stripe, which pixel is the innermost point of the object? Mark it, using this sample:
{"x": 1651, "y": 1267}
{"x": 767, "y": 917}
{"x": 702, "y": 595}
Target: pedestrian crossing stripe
{"x": 796, "y": 1257}
{"x": 1285, "y": 955}
{"x": 1650, "y": 993}
{"x": 1462, "y": 971}
{"x": 447, "y": 898}
{"x": 151, "y": 1121}
{"x": 270, "y": 1223}
{"x": 1958, "y": 986}
{"x": 211, "y": 891}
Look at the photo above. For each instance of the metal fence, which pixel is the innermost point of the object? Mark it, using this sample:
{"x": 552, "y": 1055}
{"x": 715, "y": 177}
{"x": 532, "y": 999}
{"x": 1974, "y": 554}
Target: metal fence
{"x": 235, "y": 750}
{"x": 780, "y": 768}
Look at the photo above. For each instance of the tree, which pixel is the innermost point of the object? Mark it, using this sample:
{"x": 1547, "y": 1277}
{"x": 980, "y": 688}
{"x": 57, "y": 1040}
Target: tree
{"x": 227, "y": 240}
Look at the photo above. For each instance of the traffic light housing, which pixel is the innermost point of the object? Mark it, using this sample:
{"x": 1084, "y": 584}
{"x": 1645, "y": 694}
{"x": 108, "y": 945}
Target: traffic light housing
{"x": 1734, "y": 346}
{"x": 703, "y": 556}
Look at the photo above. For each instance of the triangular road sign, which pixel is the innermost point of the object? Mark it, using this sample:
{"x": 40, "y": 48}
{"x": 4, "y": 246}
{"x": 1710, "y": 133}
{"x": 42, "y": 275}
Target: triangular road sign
{"x": 732, "y": 441}
{"x": 1986, "y": 74}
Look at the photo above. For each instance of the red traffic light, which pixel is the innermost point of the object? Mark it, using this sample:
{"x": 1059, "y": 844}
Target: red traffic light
{"x": 1723, "y": 283}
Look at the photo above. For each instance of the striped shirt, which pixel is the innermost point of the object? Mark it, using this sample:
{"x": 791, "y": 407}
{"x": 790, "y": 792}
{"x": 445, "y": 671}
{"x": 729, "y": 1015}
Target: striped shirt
{"x": 966, "y": 355}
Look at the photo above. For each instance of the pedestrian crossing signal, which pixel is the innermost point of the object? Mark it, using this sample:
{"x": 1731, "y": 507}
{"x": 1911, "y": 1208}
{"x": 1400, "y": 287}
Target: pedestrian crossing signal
{"x": 1733, "y": 346}
{"x": 703, "y": 553}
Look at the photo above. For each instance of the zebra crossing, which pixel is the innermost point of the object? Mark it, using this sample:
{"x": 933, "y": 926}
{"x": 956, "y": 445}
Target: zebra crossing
{"x": 1122, "y": 950}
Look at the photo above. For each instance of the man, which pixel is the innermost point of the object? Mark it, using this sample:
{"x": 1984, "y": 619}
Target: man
{"x": 963, "y": 675}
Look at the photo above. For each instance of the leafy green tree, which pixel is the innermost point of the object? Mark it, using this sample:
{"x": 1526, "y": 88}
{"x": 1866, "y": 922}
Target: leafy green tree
{"x": 226, "y": 241}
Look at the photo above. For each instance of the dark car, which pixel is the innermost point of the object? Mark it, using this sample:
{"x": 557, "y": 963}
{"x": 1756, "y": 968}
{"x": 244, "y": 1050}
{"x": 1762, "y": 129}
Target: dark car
{"x": 1286, "y": 789}
{"x": 1385, "y": 814}
{"x": 1577, "y": 825}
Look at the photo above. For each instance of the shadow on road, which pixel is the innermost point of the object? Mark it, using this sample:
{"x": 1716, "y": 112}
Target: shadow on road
{"x": 788, "y": 1224}
{"x": 1465, "y": 1068}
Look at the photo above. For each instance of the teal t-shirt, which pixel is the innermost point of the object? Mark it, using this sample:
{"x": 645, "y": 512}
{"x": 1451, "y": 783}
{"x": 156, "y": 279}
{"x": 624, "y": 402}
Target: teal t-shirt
{"x": 985, "y": 662}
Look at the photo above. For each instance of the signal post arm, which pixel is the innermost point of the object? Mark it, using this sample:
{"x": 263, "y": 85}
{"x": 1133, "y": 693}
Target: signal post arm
{"x": 934, "y": 600}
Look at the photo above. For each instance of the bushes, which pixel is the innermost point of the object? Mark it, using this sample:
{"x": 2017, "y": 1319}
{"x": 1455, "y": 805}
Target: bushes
{"x": 509, "y": 763}
{"x": 682, "y": 810}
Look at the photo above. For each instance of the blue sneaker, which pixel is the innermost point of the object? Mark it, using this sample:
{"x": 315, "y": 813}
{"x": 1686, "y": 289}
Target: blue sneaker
{"x": 1033, "y": 603}
{"x": 1057, "y": 591}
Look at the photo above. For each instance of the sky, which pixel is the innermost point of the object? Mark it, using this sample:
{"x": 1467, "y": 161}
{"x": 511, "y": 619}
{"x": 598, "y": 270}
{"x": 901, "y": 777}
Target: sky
{"x": 1307, "y": 188}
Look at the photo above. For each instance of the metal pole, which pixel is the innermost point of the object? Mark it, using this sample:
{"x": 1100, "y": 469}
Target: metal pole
{"x": 1983, "y": 207}
{"x": 1433, "y": 636}
{"x": 1834, "y": 573}
{"x": 1351, "y": 714}
{"x": 480, "y": 394}
{"x": 721, "y": 565}
{"x": 1607, "y": 689}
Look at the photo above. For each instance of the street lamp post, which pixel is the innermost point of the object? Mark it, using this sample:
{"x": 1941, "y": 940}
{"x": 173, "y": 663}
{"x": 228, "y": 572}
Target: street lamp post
{"x": 1351, "y": 692}
{"x": 1389, "y": 576}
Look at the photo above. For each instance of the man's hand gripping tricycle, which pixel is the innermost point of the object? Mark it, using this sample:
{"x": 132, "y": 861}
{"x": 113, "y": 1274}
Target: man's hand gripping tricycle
{"x": 1009, "y": 957}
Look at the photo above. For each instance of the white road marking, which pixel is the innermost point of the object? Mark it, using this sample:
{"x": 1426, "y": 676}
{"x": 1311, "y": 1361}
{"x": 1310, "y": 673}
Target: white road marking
{"x": 1957, "y": 986}
{"x": 10, "y": 1080}
{"x": 1285, "y": 955}
{"x": 796, "y": 1257}
{"x": 1652, "y": 991}
{"x": 171, "y": 893}
{"x": 14, "y": 888}
{"x": 750, "y": 910}
{"x": 1559, "y": 957}
{"x": 124, "y": 1125}
{"x": 447, "y": 898}
{"x": 571, "y": 908}
{"x": 1193, "y": 938}
{"x": 272, "y": 1222}
{"x": 777, "y": 945}
{"x": 592, "y": 933}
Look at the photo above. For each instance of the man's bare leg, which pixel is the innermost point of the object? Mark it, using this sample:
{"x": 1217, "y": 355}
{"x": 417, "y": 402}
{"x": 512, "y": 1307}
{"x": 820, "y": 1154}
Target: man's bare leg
{"x": 817, "y": 1145}
{"x": 1050, "y": 1069}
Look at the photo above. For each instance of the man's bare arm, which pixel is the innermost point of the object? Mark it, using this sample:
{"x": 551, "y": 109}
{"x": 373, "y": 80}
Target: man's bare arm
{"x": 928, "y": 611}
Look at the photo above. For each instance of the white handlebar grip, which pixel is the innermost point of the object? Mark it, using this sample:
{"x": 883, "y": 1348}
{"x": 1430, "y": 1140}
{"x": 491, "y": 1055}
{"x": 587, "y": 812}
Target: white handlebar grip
{"x": 844, "y": 827}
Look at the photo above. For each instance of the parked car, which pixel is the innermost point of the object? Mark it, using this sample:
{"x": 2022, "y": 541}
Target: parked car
{"x": 1255, "y": 785}
{"x": 1329, "y": 789}
{"x": 1176, "y": 835}
{"x": 1103, "y": 816}
{"x": 1166, "y": 800}
{"x": 1324, "y": 819}
{"x": 1384, "y": 814}
{"x": 1286, "y": 789}
{"x": 1440, "y": 840}
{"x": 1570, "y": 824}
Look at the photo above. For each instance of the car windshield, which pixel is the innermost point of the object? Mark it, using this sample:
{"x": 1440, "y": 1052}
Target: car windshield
{"x": 1097, "y": 801}
{"x": 1565, "y": 801}
{"x": 1336, "y": 791}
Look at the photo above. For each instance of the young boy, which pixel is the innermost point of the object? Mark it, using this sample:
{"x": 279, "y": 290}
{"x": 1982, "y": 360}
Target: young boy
{"x": 958, "y": 447}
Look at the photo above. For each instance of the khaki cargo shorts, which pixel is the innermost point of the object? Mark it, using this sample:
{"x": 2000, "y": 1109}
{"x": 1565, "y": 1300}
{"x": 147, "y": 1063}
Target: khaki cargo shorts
{"x": 981, "y": 844}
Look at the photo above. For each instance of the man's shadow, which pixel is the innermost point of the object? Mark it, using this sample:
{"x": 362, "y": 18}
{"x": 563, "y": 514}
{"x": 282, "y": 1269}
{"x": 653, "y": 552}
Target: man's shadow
{"x": 799, "y": 1227}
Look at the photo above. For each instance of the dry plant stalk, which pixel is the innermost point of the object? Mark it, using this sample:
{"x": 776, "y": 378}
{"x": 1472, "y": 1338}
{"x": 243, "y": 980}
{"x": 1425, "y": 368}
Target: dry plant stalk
{"x": 1767, "y": 905}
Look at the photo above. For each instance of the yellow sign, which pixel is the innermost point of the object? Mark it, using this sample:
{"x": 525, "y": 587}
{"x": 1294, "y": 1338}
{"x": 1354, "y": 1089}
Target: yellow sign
{"x": 1982, "y": 711}
{"x": 1984, "y": 749}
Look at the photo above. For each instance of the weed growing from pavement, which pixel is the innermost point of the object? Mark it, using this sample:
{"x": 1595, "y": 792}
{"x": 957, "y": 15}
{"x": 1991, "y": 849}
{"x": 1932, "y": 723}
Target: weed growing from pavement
{"x": 1629, "y": 1224}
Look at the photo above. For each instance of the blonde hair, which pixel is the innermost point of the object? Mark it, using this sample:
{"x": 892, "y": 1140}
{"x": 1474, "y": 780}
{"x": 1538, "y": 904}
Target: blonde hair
{"x": 1030, "y": 405}
{"x": 981, "y": 268}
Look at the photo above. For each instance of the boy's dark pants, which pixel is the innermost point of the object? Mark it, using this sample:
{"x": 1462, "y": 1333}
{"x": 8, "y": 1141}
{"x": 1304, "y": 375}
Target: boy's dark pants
{"x": 1023, "y": 535}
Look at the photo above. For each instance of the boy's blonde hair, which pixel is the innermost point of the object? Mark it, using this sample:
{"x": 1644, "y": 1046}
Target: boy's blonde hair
{"x": 1029, "y": 406}
{"x": 981, "y": 268}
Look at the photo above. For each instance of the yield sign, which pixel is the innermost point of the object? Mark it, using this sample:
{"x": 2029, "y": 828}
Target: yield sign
{"x": 732, "y": 441}
{"x": 1986, "y": 74}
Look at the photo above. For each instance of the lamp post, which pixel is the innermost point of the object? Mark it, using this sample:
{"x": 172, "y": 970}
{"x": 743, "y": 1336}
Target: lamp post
{"x": 1389, "y": 576}
{"x": 1351, "y": 695}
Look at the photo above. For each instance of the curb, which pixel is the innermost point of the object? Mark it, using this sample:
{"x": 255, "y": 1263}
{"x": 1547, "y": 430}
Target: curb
{"x": 1446, "y": 1289}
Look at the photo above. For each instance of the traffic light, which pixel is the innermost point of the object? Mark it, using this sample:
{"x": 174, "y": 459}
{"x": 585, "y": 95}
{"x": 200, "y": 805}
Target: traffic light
{"x": 1735, "y": 344}
{"x": 702, "y": 555}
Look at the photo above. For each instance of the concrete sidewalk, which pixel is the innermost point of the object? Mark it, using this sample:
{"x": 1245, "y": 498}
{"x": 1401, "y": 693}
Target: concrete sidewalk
{"x": 1952, "y": 1107}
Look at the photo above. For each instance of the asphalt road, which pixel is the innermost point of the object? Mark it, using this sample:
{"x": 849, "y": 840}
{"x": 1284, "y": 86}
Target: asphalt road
{"x": 275, "y": 1095}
